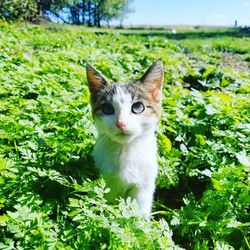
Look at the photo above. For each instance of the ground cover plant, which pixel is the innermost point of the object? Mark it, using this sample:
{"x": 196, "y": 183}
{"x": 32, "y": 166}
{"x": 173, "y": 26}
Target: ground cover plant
{"x": 50, "y": 195}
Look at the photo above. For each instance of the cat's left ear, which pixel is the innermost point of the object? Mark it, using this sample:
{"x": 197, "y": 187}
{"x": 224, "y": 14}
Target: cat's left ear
{"x": 95, "y": 79}
{"x": 153, "y": 80}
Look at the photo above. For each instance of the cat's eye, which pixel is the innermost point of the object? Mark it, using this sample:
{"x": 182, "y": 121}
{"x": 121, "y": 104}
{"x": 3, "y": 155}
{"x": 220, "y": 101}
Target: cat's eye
{"x": 138, "y": 107}
{"x": 107, "y": 109}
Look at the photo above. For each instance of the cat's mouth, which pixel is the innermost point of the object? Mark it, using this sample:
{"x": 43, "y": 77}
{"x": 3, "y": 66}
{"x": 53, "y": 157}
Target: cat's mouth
{"x": 123, "y": 133}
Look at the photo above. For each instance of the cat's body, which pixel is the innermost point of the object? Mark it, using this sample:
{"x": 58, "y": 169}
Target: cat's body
{"x": 129, "y": 169}
{"x": 126, "y": 117}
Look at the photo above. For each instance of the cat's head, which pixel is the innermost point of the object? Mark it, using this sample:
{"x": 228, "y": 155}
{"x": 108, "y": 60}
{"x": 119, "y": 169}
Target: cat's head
{"x": 126, "y": 111}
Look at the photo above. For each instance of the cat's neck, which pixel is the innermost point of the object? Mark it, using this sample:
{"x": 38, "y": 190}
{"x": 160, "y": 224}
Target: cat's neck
{"x": 112, "y": 156}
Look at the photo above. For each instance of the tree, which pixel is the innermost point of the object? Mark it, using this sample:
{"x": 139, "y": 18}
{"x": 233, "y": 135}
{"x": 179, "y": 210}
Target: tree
{"x": 50, "y": 8}
{"x": 113, "y": 9}
{"x": 17, "y": 9}
{"x": 84, "y": 12}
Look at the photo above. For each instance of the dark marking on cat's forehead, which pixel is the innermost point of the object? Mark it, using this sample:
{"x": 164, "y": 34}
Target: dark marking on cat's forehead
{"x": 107, "y": 93}
{"x": 132, "y": 89}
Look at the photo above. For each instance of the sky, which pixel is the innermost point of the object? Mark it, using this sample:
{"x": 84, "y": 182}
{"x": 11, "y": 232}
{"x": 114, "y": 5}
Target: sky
{"x": 189, "y": 12}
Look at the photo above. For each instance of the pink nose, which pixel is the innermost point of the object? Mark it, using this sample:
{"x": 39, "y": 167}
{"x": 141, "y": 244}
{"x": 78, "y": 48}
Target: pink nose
{"x": 120, "y": 125}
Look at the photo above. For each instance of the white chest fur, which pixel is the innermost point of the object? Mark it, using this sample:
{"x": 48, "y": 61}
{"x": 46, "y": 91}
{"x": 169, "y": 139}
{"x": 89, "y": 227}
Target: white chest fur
{"x": 129, "y": 169}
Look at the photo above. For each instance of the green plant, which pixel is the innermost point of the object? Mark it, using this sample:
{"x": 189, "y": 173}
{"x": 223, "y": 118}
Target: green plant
{"x": 50, "y": 194}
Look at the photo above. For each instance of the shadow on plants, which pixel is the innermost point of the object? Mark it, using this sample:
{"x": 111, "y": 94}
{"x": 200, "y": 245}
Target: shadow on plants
{"x": 173, "y": 197}
{"x": 56, "y": 190}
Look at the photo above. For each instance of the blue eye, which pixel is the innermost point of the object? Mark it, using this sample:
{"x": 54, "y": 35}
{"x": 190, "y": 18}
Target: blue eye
{"x": 107, "y": 109}
{"x": 137, "y": 108}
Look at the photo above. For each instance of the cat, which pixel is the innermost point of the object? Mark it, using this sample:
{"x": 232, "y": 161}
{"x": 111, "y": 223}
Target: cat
{"x": 126, "y": 117}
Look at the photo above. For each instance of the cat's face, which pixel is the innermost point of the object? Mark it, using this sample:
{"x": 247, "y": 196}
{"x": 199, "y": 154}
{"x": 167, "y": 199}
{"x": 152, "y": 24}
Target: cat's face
{"x": 126, "y": 111}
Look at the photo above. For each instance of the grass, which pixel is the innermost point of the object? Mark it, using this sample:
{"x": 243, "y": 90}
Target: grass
{"x": 51, "y": 196}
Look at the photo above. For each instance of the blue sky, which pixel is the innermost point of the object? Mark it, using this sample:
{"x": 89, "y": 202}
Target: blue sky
{"x": 189, "y": 12}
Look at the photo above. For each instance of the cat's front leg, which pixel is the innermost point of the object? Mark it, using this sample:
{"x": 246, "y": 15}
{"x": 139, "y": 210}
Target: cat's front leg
{"x": 144, "y": 199}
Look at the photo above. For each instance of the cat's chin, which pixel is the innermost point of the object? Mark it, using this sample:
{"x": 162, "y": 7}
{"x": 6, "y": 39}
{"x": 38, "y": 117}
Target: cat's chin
{"x": 122, "y": 137}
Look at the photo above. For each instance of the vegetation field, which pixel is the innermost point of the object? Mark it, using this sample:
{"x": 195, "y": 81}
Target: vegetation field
{"x": 51, "y": 197}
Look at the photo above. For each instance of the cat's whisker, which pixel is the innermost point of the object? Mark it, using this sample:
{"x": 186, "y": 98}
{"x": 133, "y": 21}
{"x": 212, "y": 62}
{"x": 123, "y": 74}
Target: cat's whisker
{"x": 101, "y": 142}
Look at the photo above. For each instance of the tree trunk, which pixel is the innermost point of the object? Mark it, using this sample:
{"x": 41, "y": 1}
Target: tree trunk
{"x": 40, "y": 8}
{"x": 98, "y": 14}
{"x": 83, "y": 12}
{"x": 89, "y": 13}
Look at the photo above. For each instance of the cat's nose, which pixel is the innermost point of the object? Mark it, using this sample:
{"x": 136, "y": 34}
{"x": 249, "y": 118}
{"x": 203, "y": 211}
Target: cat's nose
{"x": 120, "y": 125}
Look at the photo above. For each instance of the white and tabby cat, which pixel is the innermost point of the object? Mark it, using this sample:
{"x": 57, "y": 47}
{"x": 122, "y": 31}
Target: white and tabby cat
{"x": 126, "y": 117}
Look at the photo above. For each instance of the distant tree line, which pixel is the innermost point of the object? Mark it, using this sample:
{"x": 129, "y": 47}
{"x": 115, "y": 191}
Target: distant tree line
{"x": 82, "y": 12}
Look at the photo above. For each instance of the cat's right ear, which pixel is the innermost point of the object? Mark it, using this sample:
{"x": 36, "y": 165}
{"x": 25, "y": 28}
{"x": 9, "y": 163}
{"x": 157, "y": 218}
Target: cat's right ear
{"x": 95, "y": 79}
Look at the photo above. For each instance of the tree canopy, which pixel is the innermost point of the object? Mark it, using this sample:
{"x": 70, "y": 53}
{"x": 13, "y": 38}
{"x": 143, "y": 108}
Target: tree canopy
{"x": 85, "y": 12}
